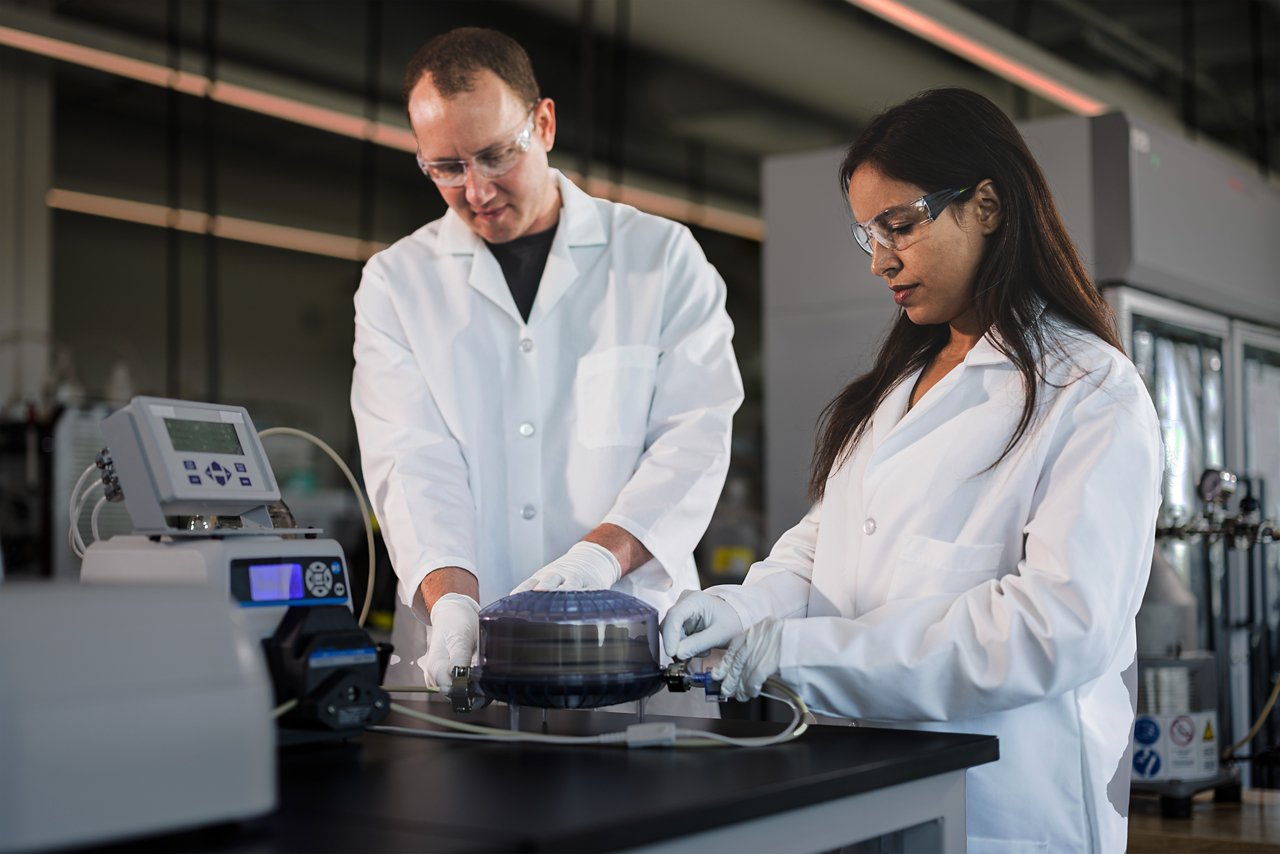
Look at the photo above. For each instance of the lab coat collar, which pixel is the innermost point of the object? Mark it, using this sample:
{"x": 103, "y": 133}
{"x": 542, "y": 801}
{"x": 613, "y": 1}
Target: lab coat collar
{"x": 580, "y": 223}
{"x": 987, "y": 350}
{"x": 985, "y": 353}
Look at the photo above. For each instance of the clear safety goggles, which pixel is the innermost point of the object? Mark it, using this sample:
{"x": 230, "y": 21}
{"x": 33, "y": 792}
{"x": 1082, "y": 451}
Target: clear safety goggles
{"x": 898, "y": 227}
{"x": 494, "y": 162}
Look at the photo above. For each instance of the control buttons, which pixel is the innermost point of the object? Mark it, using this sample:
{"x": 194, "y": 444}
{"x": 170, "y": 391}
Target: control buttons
{"x": 340, "y": 589}
{"x": 215, "y": 472}
{"x": 319, "y": 579}
{"x": 869, "y": 526}
{"x": 244, "y": 481}
{"x": 528, "y": 511}
{"x": 526, "y": 429}
{"x": 241, "y": 468}
{"x": 526, "y": 344}
{"x": 193, "y": 478}
{"x": 336, "y": 567}
{"x": 189, "y": 465}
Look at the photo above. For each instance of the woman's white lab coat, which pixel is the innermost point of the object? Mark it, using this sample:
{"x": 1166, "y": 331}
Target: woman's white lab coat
{"x": 493, "y": 444}
{"x": 950, "y": 597}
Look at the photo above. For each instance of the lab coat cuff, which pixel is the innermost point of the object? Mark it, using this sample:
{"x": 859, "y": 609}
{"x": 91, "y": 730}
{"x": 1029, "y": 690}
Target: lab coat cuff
{"x": 410, "y": 583}
{"x": 751, "y": 605}
{"x": 641, "y": 533}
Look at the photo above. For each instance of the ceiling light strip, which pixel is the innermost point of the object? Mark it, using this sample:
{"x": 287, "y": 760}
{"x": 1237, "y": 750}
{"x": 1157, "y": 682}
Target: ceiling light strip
{"x": 226, "y": 227}
{"x": 672, "y": 207}
{"x": 1010, "y": 69}
{"x": 345, "y": 124}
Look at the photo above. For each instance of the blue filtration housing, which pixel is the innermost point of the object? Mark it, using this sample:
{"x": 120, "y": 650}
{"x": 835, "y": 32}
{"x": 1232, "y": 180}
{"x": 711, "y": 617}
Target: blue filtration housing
{"x": 568, "y": 649}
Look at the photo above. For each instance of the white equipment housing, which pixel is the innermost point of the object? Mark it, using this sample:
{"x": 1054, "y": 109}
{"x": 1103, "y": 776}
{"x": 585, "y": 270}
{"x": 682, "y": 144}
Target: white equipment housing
{"x": 110, "y": 730}
{"x": 176, "y": 458}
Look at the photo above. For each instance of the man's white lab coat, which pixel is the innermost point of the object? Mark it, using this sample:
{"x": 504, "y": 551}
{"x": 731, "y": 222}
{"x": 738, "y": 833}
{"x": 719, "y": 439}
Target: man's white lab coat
{"x": 945, "y": 596}
{"x": 494, "y": 445}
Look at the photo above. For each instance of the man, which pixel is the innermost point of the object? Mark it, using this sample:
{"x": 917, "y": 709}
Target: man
{"x": 544, "y": 381}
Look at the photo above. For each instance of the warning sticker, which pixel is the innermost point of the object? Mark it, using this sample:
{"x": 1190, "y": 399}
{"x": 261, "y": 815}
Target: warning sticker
{"x": 1146, "y": 763}
{"x": 1175, "y": 747}
{"x": 1182, "y": 731}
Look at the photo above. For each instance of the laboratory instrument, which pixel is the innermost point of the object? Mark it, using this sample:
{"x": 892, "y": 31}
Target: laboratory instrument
{"x": 569, "y": 649}
{"x": 128, "y": 711}
{"x": 198, "y": 486}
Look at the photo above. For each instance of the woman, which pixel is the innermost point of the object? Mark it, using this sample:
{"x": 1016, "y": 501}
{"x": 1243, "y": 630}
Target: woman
{"x": 984, "y": 498}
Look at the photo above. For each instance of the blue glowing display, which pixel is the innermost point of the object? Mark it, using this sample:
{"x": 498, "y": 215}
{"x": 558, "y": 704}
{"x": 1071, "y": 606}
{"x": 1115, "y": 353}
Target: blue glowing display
{"x": 275, "y": 582}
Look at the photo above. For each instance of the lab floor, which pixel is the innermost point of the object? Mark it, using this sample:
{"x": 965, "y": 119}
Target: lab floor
{"x": 1253, "y": 825}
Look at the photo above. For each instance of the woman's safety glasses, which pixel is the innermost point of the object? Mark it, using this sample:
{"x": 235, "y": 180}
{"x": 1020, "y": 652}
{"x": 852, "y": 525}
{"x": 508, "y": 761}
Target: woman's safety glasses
{"x": 897, "y": 228}
{"x": 494, "y": 162}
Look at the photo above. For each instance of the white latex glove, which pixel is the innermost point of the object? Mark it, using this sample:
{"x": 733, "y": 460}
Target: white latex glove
{"x": 586, "y": 566}
{"x": 698, "y": 622}
{"x": 752, "y": 658}
{"x": 455, "y": 632}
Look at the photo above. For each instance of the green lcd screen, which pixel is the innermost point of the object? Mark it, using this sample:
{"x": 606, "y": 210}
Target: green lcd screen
{"x": 203, "y": 437}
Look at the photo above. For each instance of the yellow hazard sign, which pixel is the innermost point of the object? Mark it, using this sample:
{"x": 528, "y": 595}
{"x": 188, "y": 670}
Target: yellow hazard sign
{"x": 1208, "y": 730}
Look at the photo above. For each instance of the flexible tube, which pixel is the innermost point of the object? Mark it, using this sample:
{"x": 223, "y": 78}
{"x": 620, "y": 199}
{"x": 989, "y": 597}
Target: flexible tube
{"x": 1230, "y": 752}
{"x": 73, "y": 517}
{"x": 355, "y": 487}
{"x": 675, "y": 737}
{"x": 93, "y": 517}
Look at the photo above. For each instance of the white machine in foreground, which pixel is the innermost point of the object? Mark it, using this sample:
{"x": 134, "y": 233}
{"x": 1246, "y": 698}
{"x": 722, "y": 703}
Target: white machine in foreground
{"x": 127, "y": 711}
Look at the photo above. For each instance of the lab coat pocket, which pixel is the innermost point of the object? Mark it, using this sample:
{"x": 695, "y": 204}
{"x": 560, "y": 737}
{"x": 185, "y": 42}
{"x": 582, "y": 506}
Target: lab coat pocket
{"x": 613, "y": 390}
{"x": 928, "y": 567}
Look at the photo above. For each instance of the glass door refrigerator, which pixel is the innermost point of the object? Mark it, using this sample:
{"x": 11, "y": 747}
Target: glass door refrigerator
{"x": 1255, "y": 443}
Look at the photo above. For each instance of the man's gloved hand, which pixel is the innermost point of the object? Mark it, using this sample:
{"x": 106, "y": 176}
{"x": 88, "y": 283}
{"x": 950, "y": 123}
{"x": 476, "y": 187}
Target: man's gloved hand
{"x": 699, "y": 621}
{"x": 455, "y": 632}
{"x": 586, "y": 566}
{"x": 752, "y": 658}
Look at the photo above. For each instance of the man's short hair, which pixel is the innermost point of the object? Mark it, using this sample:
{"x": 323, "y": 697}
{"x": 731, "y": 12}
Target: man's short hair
{"x": 454, "y": 58}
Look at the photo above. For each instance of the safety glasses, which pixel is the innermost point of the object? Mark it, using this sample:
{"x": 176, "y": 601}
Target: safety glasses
{"x": 494, "y": 162}
{"x": 898, "y": 227}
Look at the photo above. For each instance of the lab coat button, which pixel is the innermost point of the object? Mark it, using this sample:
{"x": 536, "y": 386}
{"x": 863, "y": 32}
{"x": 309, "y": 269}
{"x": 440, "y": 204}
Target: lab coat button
{"x": 526, "y": 429}
{"x": 526, "y": 344}
{"x": 869, "y": 526}
{"x": 528, "y": 511}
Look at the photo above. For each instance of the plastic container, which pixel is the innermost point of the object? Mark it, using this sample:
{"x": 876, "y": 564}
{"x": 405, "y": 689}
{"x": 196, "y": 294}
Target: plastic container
{"x": 568, "y": 649}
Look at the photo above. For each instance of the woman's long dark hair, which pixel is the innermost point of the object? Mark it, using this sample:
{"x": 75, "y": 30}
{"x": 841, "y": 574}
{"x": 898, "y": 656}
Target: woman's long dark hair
{"x": 954, "y": 138}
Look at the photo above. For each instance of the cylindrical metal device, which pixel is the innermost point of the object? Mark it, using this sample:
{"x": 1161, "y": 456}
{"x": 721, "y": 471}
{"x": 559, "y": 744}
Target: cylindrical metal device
{"x": 568, "y": 649}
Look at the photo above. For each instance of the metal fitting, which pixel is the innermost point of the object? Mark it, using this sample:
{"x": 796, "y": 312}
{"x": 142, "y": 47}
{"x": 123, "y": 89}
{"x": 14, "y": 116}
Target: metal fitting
{"x": 460, "y": 694}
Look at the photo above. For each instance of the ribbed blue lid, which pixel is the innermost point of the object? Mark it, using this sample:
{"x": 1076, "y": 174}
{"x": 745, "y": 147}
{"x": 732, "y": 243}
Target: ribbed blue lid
{"x": 569, "y": 606}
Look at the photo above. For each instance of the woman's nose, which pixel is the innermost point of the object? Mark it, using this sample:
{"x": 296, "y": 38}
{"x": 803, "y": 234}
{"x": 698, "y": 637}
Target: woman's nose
{"x": 884, "y": 261}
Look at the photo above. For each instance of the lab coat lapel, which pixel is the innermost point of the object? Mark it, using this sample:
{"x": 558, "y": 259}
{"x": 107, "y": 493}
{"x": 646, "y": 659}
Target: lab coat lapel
{"x": 455, "y": 238}
{"x": 894, "y": 431}
{"x": 580, "y": 225}
{"x": 891, "y": 410}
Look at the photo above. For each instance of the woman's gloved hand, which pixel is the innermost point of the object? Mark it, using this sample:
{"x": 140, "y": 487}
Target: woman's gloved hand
{"x": 586, "y": 566}
{"x": 752, "y": 658}
{"x": 698, "y": 622}
{"x": 455, "y": 633}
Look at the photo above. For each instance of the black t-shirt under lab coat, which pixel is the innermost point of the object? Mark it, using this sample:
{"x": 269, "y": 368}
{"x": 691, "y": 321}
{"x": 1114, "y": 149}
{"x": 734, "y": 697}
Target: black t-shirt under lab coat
{"x": 522, "y": 261}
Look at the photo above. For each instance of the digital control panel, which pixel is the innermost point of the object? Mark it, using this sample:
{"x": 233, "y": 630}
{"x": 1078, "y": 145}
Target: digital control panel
{"x": 285, "y": 581}
{"x": 178, "y": 457}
